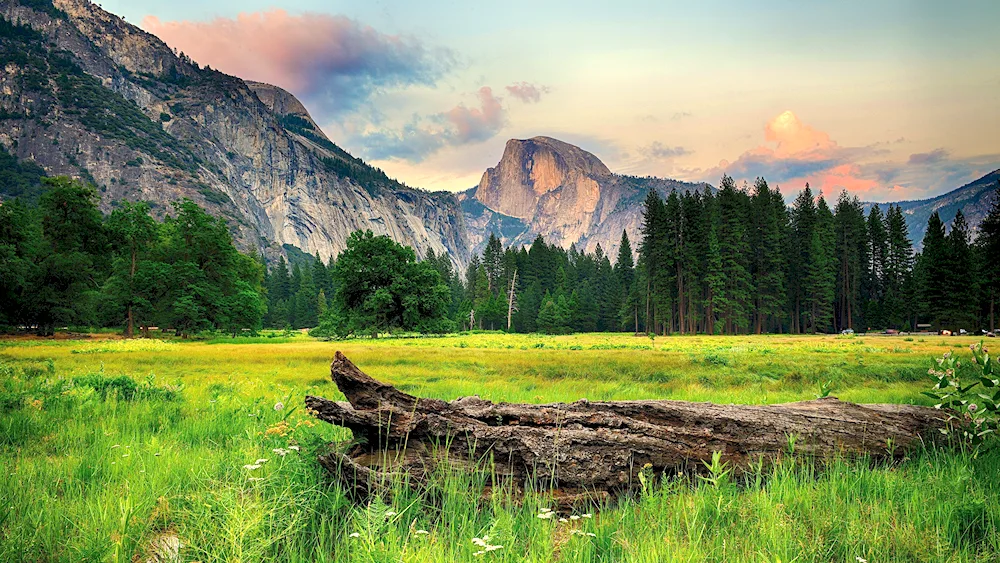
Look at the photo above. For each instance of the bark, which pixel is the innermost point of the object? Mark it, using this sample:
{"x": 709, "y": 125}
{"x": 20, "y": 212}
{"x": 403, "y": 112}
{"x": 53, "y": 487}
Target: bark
{"x": 595, "y": 447}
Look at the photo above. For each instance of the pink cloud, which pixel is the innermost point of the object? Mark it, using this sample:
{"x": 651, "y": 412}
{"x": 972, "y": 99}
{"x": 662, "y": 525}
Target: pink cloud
{"x": 478, "y": 124}
{"x": 527, "y": 92}
{"x": 424, "y": 136}
{"x": 794, "y": 153}
{"x": 334, "y": 59}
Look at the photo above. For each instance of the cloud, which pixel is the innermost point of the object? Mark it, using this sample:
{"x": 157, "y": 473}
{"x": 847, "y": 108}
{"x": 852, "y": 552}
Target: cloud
{"x": 478, "y": 124}
{"x": 680, "y": 115}
{"x": 335, "y": 62}
{"x": 660, "y": 151}
{"x": 795, "y": 153}
{"x": 423, "y": 136}
{"x": 527, "y": 92}
{"x": 936, "y": 155}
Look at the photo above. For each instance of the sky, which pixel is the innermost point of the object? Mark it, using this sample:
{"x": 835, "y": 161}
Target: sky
{"x": 891, "y": 100}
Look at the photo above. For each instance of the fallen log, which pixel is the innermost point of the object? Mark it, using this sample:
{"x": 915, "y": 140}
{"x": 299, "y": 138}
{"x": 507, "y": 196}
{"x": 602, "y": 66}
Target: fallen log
{"x": 596, "y": 447}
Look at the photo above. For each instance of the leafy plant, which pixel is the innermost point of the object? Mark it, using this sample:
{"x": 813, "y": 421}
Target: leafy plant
{"x": 971, "y": 394}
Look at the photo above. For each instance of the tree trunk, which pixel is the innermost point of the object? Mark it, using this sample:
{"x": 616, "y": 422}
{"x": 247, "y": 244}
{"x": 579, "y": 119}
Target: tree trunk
{"x": 597, "y": 447}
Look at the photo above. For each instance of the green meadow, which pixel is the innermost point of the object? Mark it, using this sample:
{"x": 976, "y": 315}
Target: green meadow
{"x": 112, "y": 450}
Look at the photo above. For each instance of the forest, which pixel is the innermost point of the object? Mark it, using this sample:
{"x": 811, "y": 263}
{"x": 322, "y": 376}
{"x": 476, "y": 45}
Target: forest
{"x": 64, "y": 264}
{"x": 733, "y": 261}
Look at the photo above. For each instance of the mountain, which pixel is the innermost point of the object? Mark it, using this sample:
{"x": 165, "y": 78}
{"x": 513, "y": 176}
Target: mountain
{"x": 85, "y": 94}
{"x": 545, "y": 186}
{"x": 974, "y": 199}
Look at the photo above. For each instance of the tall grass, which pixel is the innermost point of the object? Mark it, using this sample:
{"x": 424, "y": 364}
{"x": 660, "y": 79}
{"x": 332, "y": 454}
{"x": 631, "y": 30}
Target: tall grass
{"x": 106, "y": 451}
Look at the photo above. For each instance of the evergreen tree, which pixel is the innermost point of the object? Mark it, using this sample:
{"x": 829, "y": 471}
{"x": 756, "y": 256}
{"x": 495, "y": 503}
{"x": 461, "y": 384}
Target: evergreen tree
{"x": 769, "y": 224}
{"x": 873, "y": 290}
{"x": 734, "y": 301}
{"x": 988, "y": 251}
{"x": 963, "y": 279}
{"x": 851, "y": 258}
{"x": 897, "y": 276}
{"x": 934, "y": 264}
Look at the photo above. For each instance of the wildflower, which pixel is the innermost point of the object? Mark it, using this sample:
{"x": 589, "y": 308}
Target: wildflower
{"x": 861, "y": 559}
{"x": 294, "y": 448}
{"x": 588, "y": 515}
{"x": 546, "y": 515}
{"x": 390, "y": 514}
{"x": 973, "y": 407}
{"x": 484, "y": 543}
{"x": 255, "y": 479}
{"x": 280, "y": 451}
{"x": 563, "y": 520}
{"x": 574, "y": 517}
{"x": 251, "y": 466}
{"x": 279, "y": 405}
{"x": 261, "y": 461}
{"x": 354, "y": 535}
{"x": 421, "y": 532}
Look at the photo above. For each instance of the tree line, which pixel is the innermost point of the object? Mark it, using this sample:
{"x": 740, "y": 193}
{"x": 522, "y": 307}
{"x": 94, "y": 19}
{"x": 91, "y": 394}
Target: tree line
{"x": 733, "y": 261}
{"x": 63, "y": 263}
{"x": 739, "y": 260}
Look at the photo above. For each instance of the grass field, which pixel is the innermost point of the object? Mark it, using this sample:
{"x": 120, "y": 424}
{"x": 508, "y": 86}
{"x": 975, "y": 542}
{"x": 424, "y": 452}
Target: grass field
{"x": 111, "y": 447}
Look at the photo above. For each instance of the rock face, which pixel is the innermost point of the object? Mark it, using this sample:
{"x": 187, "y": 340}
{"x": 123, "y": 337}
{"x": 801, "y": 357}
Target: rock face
{"x": 974, "y": 199}
{"x": 85, "y": 94}
{"x": 565, "y": 194}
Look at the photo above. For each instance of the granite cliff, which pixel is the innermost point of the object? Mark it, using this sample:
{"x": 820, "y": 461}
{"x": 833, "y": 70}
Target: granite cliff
{"x": 564, "y": 193}
{"x": 84, "y": 93}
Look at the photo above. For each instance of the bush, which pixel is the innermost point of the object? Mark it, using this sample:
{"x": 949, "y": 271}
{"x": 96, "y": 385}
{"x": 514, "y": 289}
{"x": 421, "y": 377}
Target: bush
{"x": 972, "y": 394}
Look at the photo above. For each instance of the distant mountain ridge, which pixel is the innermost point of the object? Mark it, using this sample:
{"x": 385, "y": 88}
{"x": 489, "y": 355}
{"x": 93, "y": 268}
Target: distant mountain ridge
{"x": 974, "y": 199}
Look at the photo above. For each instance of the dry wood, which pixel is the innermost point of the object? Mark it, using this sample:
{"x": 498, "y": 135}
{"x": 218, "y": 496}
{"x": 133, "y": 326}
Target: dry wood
{"x": 596, "y": 447}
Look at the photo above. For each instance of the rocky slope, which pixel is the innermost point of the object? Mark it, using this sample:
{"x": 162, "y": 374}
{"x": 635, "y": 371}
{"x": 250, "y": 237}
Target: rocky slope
{"x": 974, "y": 199}
{"x": 564, "y": 193}
{"x": 86, "y": 94}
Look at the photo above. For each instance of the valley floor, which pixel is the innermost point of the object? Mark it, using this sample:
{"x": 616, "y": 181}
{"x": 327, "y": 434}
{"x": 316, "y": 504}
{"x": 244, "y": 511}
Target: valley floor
{"x": 117, "y": 449}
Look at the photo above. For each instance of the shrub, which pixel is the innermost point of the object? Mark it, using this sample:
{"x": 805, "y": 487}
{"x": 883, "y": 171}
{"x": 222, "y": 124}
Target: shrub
{"x": 972, "y": 394}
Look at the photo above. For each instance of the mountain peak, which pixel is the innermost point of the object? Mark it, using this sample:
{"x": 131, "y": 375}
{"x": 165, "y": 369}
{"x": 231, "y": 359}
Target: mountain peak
{"x": 534, "y": 170}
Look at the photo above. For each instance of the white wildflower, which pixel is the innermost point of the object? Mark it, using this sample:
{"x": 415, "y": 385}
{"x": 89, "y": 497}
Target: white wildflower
{"x": 261, "y": 461}
{"x": 563, "y": 520}
{"x": 354, "y": 535}
{"x": 255, "y": 479}
{"x": 294, "y": 448}
{"x": 588, "y": 515}
{"x": 546, "y": 515}
{"x": 973, "y": 407}
{"x": 280, "y": 451}
{"x": 390, "y": 514}
{"x": 861, "y": 559}
{"x": 279, "y": 405}
{"x": 252, "y": 466}
{"x": 574, "y": 517}
{"x": 421, "y": 532}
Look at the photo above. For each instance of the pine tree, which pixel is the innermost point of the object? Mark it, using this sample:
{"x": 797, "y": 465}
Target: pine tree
{"x": 768, "y": 224}
{"x": 803, "y": 220}
{"x": 933, "y": 267}
{"x": 851, "y": 258}
{"x": 988, "y": 249}
{"x": 963, "y": 279}
{"x": 872, "y": 286}
{"x": 734, "y": 249}
{"x": 897, "y": 276}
